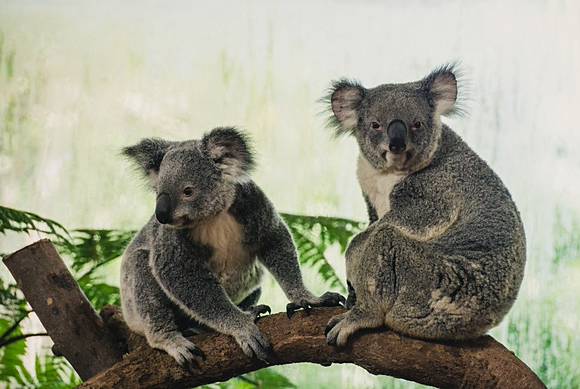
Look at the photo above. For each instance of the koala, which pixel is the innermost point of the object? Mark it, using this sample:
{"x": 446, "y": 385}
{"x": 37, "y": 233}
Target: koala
{"x": 443, "y": 256}
{"x": 197, "y": 263}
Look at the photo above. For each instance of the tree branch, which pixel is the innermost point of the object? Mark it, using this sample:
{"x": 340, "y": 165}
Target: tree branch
{"x": 482, "y": 363}
{"x": 14, "y": 326}
{"x": 92, "y": 343}
{"x": 77, "y": 331}
{"x": 9, "y": 341}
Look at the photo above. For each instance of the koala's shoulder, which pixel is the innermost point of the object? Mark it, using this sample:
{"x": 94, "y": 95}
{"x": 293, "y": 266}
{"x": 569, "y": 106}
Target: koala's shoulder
{"x": 251, "y": 206}
{"x": 450, "y": 166}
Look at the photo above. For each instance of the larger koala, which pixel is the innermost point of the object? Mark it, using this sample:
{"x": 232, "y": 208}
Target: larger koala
{"x": 444, "y": 254}
{"x": 194, "y": 264}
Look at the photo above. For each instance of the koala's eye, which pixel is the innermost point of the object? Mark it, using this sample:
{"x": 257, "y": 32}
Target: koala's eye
{"x": 375, "y": 125}
{"x": 188, "y": 191}
{"x": 416, "y": 125}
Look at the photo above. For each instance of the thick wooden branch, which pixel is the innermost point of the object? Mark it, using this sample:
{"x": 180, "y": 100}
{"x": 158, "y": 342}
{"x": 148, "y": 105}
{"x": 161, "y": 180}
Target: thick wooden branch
{"x": 78, "y": 332}
{"x": 483, "y": 363}
{"x": 91, "y": 346}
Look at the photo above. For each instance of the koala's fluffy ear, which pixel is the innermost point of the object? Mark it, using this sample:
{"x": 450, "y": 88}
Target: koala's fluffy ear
{"x": 344, "y": 99}
{"x": 230, "y": 149}
{"x": 147, "y": 155}
{"x": 441, "y": 87}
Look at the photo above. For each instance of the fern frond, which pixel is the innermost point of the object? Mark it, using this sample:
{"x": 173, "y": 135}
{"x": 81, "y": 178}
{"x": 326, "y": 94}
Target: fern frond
{"x": 23, "y": 221}
{"x": 313, "y": 235}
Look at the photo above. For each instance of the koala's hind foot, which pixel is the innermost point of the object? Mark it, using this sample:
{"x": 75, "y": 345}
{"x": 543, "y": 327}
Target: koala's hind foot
{"x": 328, "y": 299}
{"x": 342, "y": 326}
{"x": 187, "y": 354}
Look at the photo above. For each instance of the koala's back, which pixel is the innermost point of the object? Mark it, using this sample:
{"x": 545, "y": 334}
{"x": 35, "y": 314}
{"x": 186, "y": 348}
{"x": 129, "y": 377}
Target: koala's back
{"x": 488, "y": 220}
{"x": 463, "y": 279}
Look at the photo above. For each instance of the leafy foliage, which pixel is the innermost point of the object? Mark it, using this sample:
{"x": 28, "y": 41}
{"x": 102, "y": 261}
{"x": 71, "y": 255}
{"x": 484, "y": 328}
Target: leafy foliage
{"x": 269, "y": 378}
{"x": 262, "y": 379}
{"x": 13, "y": 310}
{"x": 531, "y": 337}
{"x": 566, "y": 239}
{"x": 12, "y": 370}
{"x": 22, "y": 221}
{"x": 91, "y": 249}
{"x": 88, "y": 251}
{"x": 53, "y": 372}
{"x": 12, "y": 303}
{"x": 49, "y": 373}
{"x": 313, "y": 235}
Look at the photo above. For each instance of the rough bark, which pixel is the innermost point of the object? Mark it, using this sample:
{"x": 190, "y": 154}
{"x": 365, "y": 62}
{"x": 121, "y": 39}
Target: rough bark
{"x": 92, "y": 346}
{"x": 482, "y": 363}
{"x": 78, "y": 332}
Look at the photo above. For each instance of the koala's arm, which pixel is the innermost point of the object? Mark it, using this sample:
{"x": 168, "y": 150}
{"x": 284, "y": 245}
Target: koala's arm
{"x": 265, "y": 230}
{"x": 422, "y": 214}
{"x": 278, "y": 254}
{"x": 178, "y": 266}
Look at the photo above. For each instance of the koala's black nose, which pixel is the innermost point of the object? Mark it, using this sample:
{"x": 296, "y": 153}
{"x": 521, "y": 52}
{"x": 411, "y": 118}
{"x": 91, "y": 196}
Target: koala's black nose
{"x": 163, "y": 208}
{"x": 397, "y": 132}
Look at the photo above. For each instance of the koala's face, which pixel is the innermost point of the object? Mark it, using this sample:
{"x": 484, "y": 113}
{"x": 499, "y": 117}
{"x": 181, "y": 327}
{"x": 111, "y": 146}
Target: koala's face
{"x": 190, "y": 186}
{"x": 194, "y": 180}
{"x": 397, "y": 126}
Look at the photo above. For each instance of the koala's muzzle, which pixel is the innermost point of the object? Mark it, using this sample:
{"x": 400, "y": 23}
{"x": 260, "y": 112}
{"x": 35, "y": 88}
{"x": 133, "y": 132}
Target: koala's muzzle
{"x": 397, "y": 133}
{"x": 163, "y": 208}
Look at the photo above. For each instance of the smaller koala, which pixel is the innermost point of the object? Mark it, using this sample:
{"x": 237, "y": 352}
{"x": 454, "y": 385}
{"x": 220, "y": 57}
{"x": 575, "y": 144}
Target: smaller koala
{"x": 444, "y": 254}
{"x": 193, "y": 265}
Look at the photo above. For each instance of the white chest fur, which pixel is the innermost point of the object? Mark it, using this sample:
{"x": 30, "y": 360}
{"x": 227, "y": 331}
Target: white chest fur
{"x": 377, "y": 185}
{"x": 224, "y": 235}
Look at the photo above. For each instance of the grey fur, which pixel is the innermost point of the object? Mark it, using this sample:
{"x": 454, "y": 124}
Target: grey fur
{"x": 444, "y": 254}
{"x": 199, "y": 269}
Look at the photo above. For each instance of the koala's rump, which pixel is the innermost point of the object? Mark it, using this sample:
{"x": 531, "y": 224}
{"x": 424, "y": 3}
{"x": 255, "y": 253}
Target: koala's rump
{"x": 431, "y": 293}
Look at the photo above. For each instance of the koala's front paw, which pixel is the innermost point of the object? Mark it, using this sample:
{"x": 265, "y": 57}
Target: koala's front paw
{"x": 328, "y": 299}
{"x": 331, "y": 299}
{"x": 185, "y": 353}
{"x": 254, "y": 343}
{"x": 258, "y": 310}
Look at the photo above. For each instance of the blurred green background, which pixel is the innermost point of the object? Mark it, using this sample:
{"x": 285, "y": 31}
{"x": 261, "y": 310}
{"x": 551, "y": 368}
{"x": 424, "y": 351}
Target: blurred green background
{"x": 80, "y": 80}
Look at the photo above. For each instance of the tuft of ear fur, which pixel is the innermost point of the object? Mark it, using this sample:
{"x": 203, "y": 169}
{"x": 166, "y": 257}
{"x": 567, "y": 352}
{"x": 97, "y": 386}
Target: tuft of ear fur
{"x": 441, "y": 85}
{"x": 147, "y": 156}
{"x": 231, "y": 150}
{"x": 343, "y": 100}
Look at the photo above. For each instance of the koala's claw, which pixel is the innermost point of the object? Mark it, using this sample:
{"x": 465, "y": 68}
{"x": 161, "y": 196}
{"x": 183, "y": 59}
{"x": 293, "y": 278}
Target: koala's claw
{"x": 255, "y": 344}
{"x": 187, "y": 354}
{"x": 332, "y": 323}
{"x": 331, "y": 299}
{"x": 335, "y": 331}
{"x": 342, "y": 326}
{"x": 258, "y": 310}
{"x": 293, "y": 307}
{"x": 328, "y": 299}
